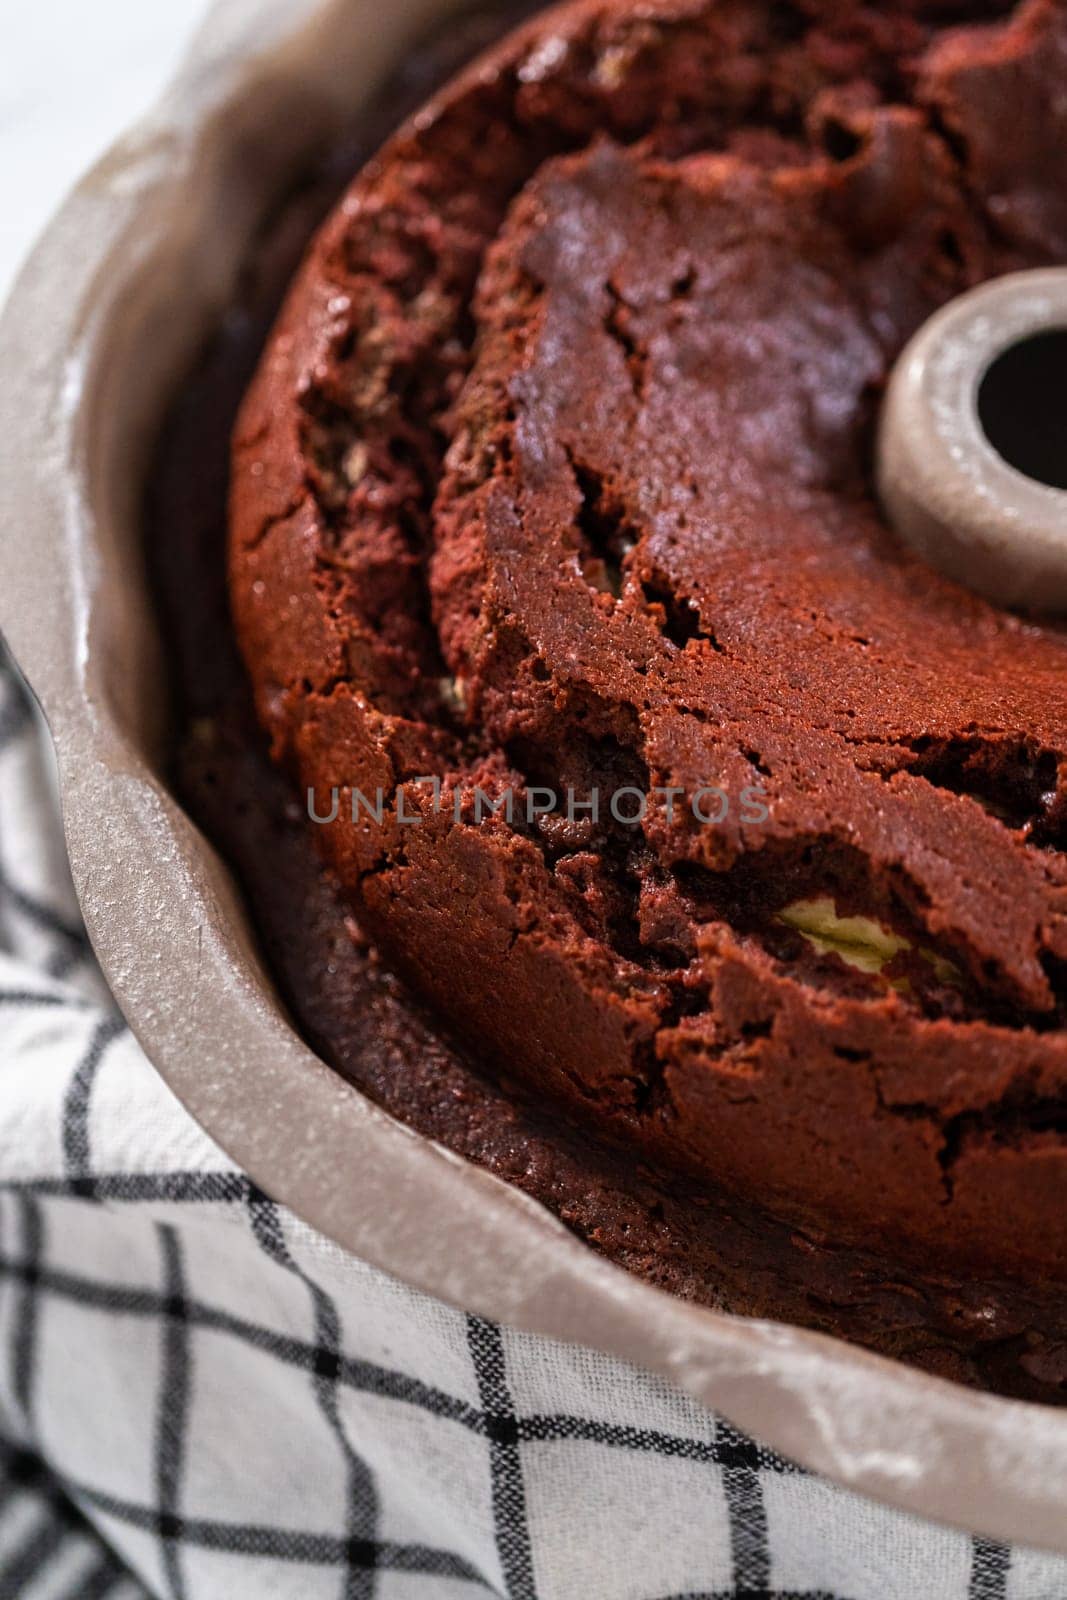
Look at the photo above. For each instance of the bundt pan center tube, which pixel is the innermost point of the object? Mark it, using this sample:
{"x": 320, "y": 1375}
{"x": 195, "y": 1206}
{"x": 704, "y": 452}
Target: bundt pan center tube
{"x": 972, "y": 456}
{"x": 104, "y": 320}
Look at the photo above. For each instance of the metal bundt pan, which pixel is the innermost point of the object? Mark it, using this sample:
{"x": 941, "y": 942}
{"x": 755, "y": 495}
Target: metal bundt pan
{"x": 100, "y": 326}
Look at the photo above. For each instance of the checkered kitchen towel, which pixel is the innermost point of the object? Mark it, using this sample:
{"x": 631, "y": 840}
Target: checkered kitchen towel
{"x": 201, "y": 1399}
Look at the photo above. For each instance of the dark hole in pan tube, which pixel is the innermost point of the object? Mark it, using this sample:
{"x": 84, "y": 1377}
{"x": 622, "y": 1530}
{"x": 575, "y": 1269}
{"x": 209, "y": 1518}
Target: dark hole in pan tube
{"x": 1022, "y": 406}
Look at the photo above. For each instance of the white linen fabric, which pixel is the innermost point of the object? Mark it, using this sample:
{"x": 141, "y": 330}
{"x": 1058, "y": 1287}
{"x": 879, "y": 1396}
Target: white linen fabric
{"x": 202, "y": 1399}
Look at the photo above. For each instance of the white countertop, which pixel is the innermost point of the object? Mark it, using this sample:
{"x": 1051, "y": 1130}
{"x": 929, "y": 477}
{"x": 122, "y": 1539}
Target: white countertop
{"x": 73, "y": 75}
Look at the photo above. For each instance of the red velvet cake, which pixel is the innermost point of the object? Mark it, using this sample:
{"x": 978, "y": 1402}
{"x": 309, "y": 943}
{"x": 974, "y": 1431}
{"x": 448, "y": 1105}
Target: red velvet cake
{"x": 716, "y": 842}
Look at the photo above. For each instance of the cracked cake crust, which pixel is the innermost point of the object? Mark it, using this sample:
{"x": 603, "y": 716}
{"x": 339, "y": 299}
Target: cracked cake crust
{"x": 556, "y": 472}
